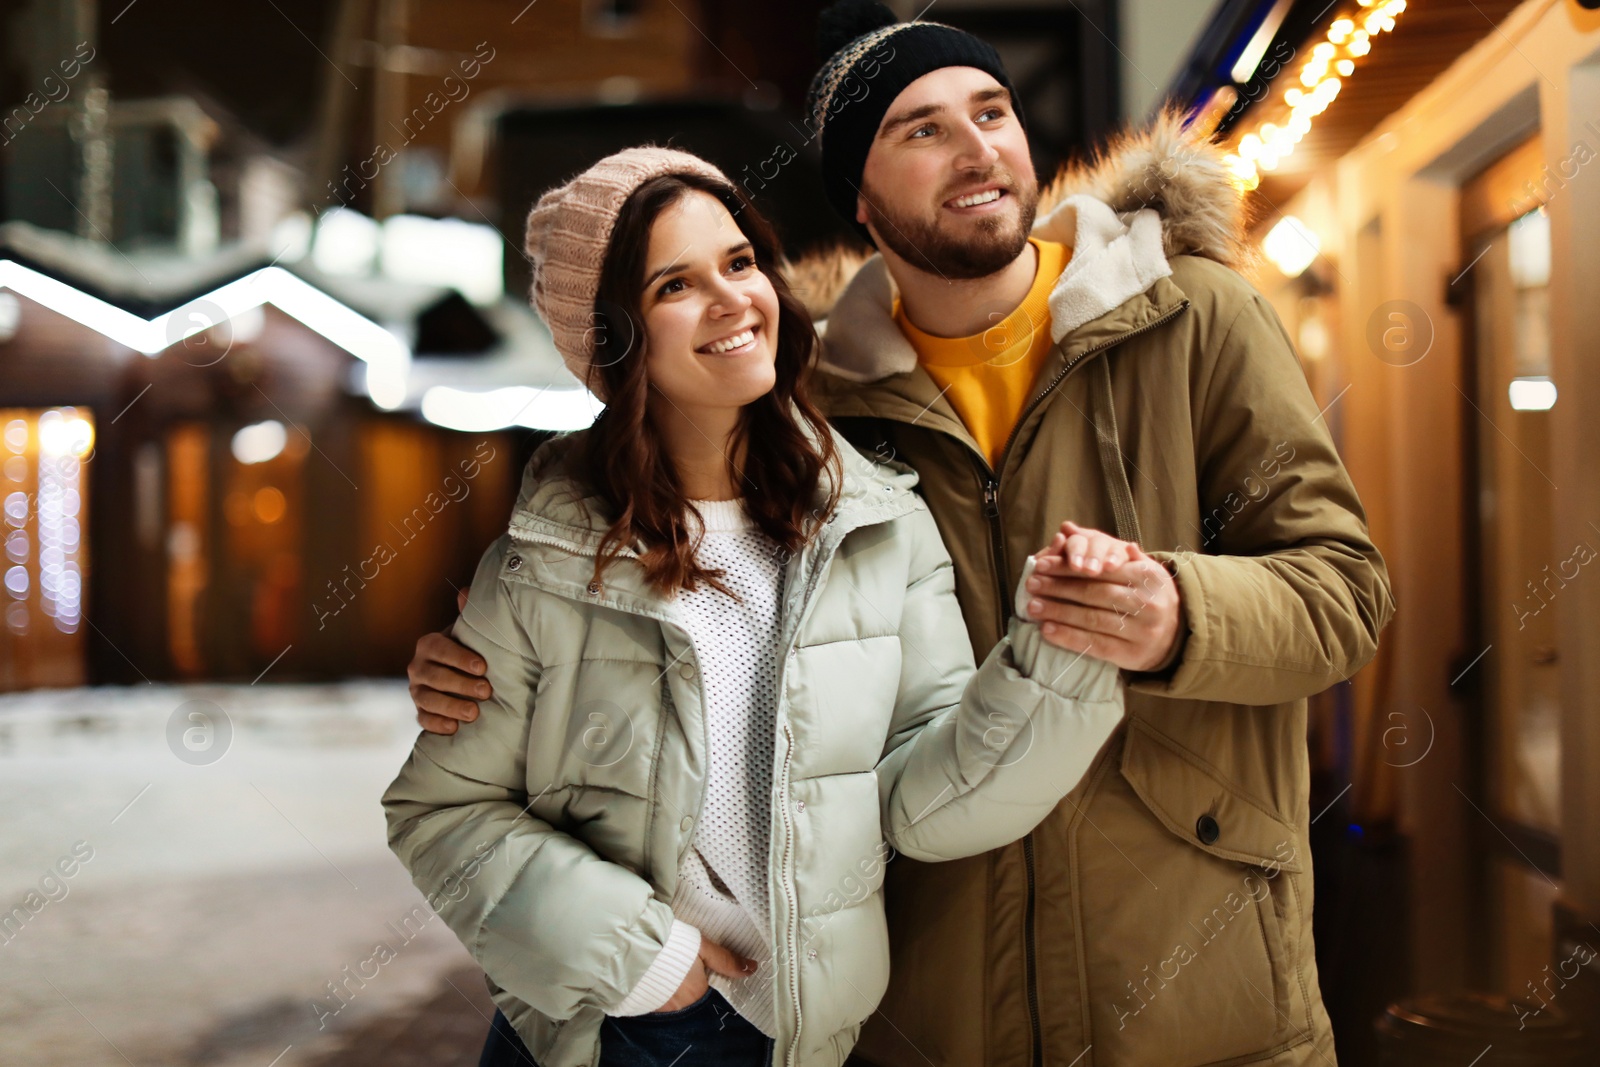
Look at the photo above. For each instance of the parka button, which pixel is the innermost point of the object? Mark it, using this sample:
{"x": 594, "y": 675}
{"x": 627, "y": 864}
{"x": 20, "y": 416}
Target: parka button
{"x": 1207, "y": 830}
{"x": 594, "y": 587}
{"x": 812, "y": 954}
{"x": 688, "y": 821}
{"x": 687, "y": 671}
{"x": 799, "y": 805}
{"x": 514, "y": 563}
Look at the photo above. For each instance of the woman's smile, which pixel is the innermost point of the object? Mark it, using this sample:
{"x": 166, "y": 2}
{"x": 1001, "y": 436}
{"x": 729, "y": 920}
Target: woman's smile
{"x": 738, "y": 343}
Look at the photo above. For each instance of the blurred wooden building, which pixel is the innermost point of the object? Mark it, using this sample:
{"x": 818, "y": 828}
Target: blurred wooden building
{"x": 1429, "y": 218}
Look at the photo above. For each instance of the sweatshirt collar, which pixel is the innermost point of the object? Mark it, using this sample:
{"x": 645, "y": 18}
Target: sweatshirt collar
{"x": 1114, "y": 258}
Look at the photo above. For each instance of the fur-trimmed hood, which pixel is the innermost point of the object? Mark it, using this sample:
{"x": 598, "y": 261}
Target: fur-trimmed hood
{"x": 1150, "y": 195}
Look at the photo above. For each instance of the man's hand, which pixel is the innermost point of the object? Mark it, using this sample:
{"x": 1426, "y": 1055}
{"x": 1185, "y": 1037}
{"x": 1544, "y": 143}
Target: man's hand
{"x": 713, "y": 957}
{"x": 446, "y": 680}
{"x": 1094, "y": 593}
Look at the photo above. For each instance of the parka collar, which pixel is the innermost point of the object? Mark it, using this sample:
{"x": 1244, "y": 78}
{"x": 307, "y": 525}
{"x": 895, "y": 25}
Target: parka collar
{"x": 1116, "y": 258}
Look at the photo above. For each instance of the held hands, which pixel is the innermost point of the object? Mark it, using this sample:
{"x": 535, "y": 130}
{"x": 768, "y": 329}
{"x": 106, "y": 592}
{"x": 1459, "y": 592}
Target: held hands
{"x": 1093, "y": 593}
{"x": 713, "y": 957}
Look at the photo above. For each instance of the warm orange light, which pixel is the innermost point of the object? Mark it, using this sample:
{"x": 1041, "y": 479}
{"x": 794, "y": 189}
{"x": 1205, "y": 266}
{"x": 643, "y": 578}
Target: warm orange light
{"x": 269, "y": 505}
{"x": 1321, "y": 76}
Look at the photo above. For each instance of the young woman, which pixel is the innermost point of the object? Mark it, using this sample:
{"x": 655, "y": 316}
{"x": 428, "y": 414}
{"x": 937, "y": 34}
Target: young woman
{"x": 730, "y": 675}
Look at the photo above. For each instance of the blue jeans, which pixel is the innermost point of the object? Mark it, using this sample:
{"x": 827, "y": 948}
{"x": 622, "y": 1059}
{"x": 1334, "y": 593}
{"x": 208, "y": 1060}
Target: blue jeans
{"x": 718, "y": 1036}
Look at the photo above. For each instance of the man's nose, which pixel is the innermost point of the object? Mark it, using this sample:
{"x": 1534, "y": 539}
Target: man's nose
{"x": 975, "y": 151}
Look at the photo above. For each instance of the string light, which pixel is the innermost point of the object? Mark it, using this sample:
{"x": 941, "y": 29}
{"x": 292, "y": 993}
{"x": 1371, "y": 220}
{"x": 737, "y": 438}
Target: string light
{"x": 1320, "y": 78}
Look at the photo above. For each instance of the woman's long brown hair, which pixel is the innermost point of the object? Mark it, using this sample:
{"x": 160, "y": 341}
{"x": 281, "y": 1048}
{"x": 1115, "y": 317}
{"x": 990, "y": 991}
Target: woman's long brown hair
{"x": 624, "y": 459}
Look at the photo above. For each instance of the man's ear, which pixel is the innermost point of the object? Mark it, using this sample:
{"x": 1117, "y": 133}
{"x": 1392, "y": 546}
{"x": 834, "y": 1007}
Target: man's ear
{"x": 861, "y": 208}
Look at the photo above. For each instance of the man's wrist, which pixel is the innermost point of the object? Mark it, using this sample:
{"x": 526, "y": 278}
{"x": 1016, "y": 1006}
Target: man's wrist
{"x": 1180, "y": 638}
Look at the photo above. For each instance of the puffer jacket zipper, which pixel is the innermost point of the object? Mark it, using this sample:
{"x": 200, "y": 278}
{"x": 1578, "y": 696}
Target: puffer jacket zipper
{"x": 820, "y": 565}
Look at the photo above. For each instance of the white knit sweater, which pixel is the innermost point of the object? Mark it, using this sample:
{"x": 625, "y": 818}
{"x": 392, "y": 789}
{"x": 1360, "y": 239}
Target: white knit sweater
{"x": 722, "y": 891}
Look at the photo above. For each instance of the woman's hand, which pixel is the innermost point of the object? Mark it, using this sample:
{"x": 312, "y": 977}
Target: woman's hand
{"x": 713, "y": 957}
{"x": 1082, "y": 551}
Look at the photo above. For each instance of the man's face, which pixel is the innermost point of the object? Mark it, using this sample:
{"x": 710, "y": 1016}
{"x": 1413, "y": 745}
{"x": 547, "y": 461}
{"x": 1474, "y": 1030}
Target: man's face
{"x": 948, "y": 185}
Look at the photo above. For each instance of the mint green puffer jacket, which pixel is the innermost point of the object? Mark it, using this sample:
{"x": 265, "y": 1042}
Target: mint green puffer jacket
{"x": 549, "y": 833}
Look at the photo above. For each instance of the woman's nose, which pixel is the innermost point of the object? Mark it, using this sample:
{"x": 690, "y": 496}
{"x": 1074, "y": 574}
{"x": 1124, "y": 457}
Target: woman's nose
{"x": 728, "y": 299}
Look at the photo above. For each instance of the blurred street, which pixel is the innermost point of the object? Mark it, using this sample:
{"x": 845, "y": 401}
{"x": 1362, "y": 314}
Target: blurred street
{"x": 220, "y": 898}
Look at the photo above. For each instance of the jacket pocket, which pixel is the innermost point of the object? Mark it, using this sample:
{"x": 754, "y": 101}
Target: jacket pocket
{"x": 1201, "y": 808}
{"x": 1199, "y": 805}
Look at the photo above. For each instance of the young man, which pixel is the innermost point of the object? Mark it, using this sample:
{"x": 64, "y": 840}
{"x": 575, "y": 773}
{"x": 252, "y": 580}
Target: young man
{"x": 1105, "y": 365}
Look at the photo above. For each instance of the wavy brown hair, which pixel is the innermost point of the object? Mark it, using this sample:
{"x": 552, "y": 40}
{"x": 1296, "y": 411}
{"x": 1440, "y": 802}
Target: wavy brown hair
{"x": 623, "y": 457}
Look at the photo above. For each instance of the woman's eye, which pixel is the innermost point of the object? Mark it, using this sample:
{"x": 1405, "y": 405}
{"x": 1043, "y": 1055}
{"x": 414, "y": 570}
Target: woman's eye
{"x": 670, "y": 287}
{"x": 742, "y": 263}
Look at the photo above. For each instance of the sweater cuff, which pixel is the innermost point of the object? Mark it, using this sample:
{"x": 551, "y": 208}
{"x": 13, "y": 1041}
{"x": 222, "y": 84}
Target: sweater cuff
{"x": 1076, "y": 675}
{"x": 666, "y": 973}
{"x": 1020, "y": 605}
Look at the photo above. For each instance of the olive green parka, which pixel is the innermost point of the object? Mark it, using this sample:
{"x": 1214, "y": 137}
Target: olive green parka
{"x": 1160, "y": 916}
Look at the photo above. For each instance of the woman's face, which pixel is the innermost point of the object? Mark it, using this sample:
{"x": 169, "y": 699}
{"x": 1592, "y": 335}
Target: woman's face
{"x": 710, "y": 315}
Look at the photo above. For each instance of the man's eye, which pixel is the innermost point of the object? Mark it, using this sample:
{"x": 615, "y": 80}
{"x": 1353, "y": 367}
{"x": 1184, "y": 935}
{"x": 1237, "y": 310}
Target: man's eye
{"x": 991, "y": 115}
{"x": 920, "y": 130}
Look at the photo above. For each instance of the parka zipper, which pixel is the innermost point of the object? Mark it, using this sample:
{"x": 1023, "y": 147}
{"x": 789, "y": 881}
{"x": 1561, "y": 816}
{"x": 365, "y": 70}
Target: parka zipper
{"x": 781, "y": 793}
{"x": 819, "y": 567}
{"x": 992, "y": 499}
{"x": 991, "y": 511}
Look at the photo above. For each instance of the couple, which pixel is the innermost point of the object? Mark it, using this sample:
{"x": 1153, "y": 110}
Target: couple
{"x": 721, "y": 666}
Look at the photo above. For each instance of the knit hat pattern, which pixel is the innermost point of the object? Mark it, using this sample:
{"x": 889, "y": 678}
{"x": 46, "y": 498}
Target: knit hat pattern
{"x": 568, "y": 235}
{"x": 871, "y": 58}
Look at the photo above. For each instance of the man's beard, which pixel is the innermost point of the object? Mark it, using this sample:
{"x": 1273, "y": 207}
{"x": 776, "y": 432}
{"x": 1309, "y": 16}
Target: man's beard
{"x": 922, "y": 244}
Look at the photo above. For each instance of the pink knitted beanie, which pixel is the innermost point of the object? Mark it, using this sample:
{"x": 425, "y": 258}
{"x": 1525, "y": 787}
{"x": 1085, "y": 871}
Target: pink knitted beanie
{"x": 569, "y": 230}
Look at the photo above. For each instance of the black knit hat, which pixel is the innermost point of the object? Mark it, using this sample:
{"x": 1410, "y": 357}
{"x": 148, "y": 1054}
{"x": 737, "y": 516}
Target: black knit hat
{"x": 871, "y": 58}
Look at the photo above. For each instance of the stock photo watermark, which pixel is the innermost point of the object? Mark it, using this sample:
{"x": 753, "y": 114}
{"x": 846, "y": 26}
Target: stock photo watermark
{"x": 454, "y": 489}
{"x": 1543, "y": 595}
{"x": 52, "y": 90}
{"x": 1256, "y": 487}
{"x": 199, "y": 732}
{"x": 1399, "y": 333}
{"x": 353, "y": 978}
{"x": 1255, "y": 888}
{"x": 455, "y": 90}
{"x": 53, "y": 886}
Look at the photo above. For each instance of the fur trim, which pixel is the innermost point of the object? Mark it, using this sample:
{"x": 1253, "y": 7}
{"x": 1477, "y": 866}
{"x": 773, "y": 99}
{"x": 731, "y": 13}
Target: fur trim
{"x": 1175, "y": 170}
{"x": 1165, "y": 166}
{"x": 819, "y": 277}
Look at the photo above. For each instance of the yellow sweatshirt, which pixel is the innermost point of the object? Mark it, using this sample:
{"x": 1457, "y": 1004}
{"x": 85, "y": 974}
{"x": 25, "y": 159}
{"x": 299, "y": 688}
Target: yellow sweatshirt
{"x": 989, "y": 377}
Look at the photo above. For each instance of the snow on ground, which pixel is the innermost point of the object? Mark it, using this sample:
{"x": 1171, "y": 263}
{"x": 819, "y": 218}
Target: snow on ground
{"x": 227, "y": 861}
